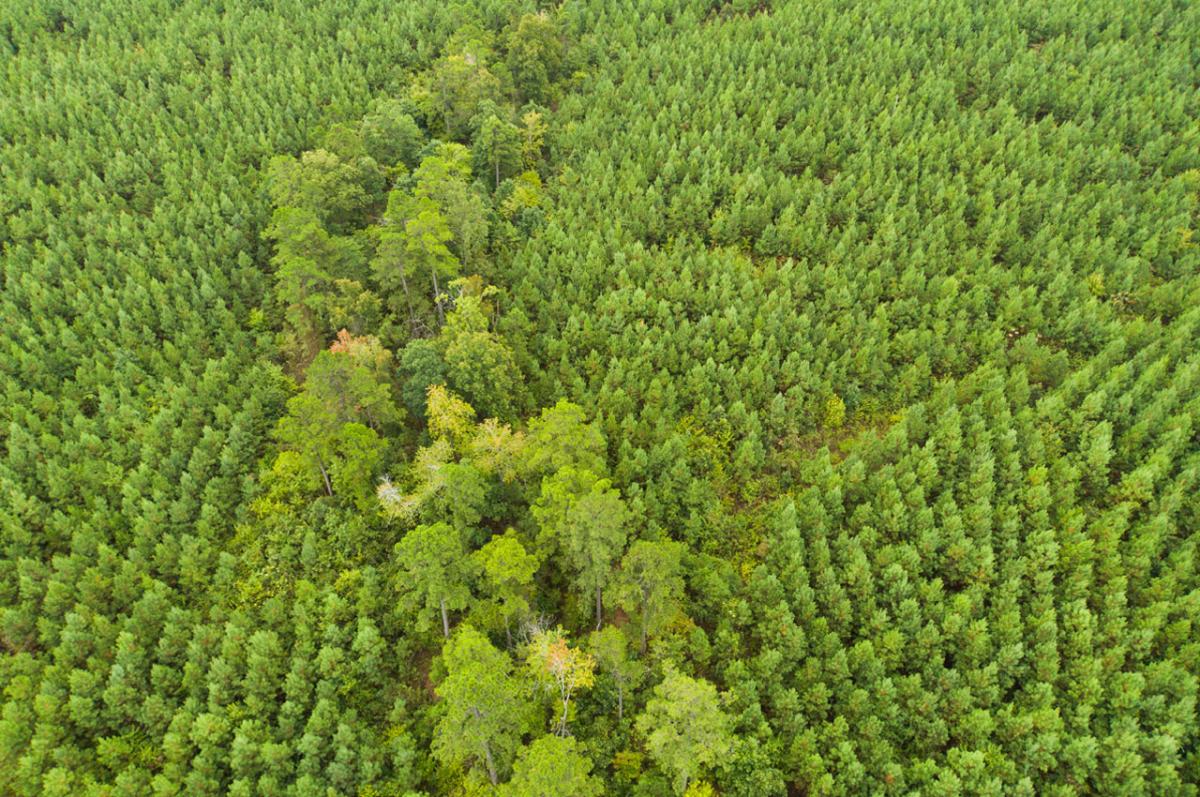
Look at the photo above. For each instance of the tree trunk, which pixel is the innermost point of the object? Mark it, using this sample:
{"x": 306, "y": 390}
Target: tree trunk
{"x": 562, "y": 723}
{"x": 445, "y": 620}
{"x": 620, "y": 701}
{"x": 491, "y": 765}
{"x": 487, "y": 752}
{"x": 412, "y": 315}
{"x": 599, "y": 610}
{"x": 437, "y": 297}
{"x": 325, "y": 477}
{"x": 497, "y": 171}
{"x": 645, "y": 634}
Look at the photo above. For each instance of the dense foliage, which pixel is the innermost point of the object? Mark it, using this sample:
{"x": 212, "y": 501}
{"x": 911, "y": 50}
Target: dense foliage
{"x": 676, "y": 397}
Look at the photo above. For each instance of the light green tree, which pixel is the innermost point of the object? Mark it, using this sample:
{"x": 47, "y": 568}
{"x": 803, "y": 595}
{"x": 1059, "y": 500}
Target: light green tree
{"x": 485, "y": 709}
{"x": 308, "y": 262}
{"x": 684, "y": 727}
{"x": 321, "y": 182}
{"x": 445, "y": 177}
{"x": 426, "y": 234}
{"x": 561, "y": 668}
{"x": 507, "y": 571}
{"x": 434, "y": 571}
{"x": 552, "y": 766}
{"x": 562, "y": 436}
{"x": 479, "y": 364}
{"x": 536, "y": 55}
{"x": 333, "y": 421}
{"x": 611, "y": 649}
{"x": 497, "y": 148}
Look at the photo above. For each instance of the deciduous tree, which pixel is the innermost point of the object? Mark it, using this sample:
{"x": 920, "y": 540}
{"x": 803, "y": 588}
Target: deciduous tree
{"x": 484, "y": 709}
{"x": 685, "y": 729}
{"x": 552, "y": 766}
{"x": 434, "y": 571}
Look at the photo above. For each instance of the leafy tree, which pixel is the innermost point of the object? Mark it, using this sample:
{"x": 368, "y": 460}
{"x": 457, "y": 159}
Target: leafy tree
{"x": 585, "y": 518}
{"x": 684, "y": 727}
{"x": 565, "y": 669}
{"x": 483, "y": 710}
{"x": 507, "y": 571}
{"x": 533, "y": 131}
{"x": 320, "y": 183}
{"x": 652, "y": 573}
{"x": 552, "y": 766}
{"x": 420, "y": 367}
{"x": 561, "y": 436}
{"x": 450, "y": 418}
{"x": 390, "y": 134}
{"x": 452, "y": 90}
{"x": 497, "y": 149}
{"x": 421, "y": 247}
{"x": 308, "y": 262}
{"x": 611, "y": 650}
{"x": 434, "y": 570}
{"x": 536, "y": 55}
{"x": 444, "y": 177}
{"x": 479, "y": 364}
{"x": 393, "y": 263}
{"x": 333, "y": 421}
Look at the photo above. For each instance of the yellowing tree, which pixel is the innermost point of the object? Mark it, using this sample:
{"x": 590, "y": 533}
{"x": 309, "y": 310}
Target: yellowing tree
{"x": 561, "y": 668}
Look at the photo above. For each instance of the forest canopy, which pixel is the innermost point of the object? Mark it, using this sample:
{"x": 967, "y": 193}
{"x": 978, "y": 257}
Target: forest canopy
{"x": 683, "y": 397}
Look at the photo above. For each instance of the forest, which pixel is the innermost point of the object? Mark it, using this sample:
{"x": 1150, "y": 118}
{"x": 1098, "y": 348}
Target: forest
{"x": 649, "y": 398}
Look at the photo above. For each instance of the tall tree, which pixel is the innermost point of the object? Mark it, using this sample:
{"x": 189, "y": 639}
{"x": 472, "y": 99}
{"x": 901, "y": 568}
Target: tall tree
{"x": 322, "y": 183}
{"x": 507, "y": 571}
{"x": 563, "y": 668}
{"x": 652, "y": 577}
{"x": 308, "y": 261}
{"x": 434, "y": 570}
{"x": 497, "y": 149}
{"x": 684, "y": 727}
{"x": 426, "y": 234}
{"x": 611, "y": 650}
{"x": 536, "y": 55}
{"x": 445, "y": 178}
{"x": 479, "y": 363}
{"x": 560, "y": 436}
{"x": 484, "y": 708}
{"x": 552, "y": 766}
{"x": 586, "y": 519}
{"x": 345, "y": 401}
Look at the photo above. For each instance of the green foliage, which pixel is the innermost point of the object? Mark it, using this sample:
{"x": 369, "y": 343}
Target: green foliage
{"x": 390, "y": 135}
{"x": 433, "y": 571}
{"x": 552, "y": 766}
{"x": 507, "y": 570}
{"x": 483, "y": 713}
{"x": 536, "y": 56}
{"x": 335, "y": 420}
{"x": 611, "y": 649}
{"x": 479, "y": 364}
{"x": 321, "y": 183}
{"x": 652, "y": 580}
{"x": 686, "y": 731}
{"x": 497, "y": 149}
{"x": 560, "y": 437}
{"x": 584, "y": 518}
{"x": 847, "y": 348}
